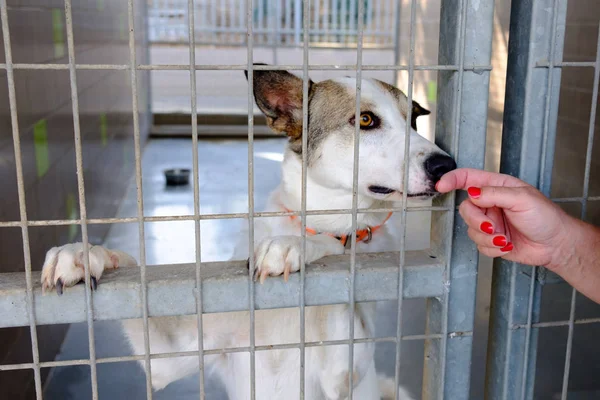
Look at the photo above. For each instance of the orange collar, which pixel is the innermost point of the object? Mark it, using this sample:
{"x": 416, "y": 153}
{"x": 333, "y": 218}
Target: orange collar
{"x": 362, "y": 235}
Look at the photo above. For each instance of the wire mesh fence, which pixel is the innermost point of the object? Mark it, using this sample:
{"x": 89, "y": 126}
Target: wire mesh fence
{"x": 445, "y": 274}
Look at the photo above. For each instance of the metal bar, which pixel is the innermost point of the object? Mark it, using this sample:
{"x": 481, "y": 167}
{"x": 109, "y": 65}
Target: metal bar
{"x": 231, "y": 10}
{"x": 527, "y": 149}
{"x": 260, "y": 20}
{"x": 265, "y": 214}
{"x": 241, "y": 22}
{"x": 582, "y": 321}
{"x": 378, "y": 16}
{"x": 387, "y": 22}
{"x": 335, "y": 19}
{"x": 89, "y": 305}
{"x": 222, "y": 25}
{"x": 28, "y": 311}
{"x": 406, "y": 166}
{"x": 297, "y": 15}
{"x": 351, "y": 15}
{"x": 251, "y": 244}
{"x": 563, "y": 64}
{"x": 586, "y": 192}
{"x": 462, "y": 99}
{"x": 344, "y": 17}
{"x": 117, "y": 295}
{"x": 355, "y": 169}
{"x": 229, "y": 350}
{"x": 139, "y": 195}
{"x": 242, "y": 67}
{"x": 396, "y": 27}
{"x": 542, "y": 177}
{"x": 203, "y": 17}
{"x": 276, "y": 30}
{"x": 305, "y": 87}
{"x": 196, "y": 177}
{"x": 213, "y": 18}
{"x": 575, "y": 199}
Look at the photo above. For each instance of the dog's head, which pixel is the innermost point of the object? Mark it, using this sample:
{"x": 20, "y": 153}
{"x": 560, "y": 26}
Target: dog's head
{"x": 331, "y": 132}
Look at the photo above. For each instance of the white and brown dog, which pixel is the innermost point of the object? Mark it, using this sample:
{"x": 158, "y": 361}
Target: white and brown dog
{"x": 330, "y": 155}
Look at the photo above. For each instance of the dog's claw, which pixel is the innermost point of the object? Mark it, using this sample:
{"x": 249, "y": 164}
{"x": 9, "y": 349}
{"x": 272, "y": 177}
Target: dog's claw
{"x": 286, "y": 271}
{"x": 59, "y": 287}
{"x": 263, "y": 276}
{"x": 248, "y": 263}
{"x": 93, "y": 283}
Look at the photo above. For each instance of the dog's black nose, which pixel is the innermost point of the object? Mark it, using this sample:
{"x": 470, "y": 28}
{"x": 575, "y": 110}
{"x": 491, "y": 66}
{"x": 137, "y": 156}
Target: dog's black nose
{"x": 437, "y": 165}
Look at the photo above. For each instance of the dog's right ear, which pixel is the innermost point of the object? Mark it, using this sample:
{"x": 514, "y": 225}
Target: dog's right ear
{"x": 278, "y": 94}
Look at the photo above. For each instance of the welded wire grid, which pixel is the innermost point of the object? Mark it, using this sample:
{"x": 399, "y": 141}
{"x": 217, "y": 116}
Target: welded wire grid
{"x": 551, "y": 64}
{"x": 133, "y": 69}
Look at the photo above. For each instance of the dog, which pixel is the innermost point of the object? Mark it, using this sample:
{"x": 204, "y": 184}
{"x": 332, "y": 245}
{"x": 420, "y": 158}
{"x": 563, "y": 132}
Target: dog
{"x": 330, "y": 154}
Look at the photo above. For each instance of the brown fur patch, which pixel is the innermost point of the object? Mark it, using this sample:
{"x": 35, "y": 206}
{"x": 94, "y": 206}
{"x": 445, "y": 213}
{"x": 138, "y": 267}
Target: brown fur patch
{"x": 278, "y": 94}
{"x": 332, "y": 106}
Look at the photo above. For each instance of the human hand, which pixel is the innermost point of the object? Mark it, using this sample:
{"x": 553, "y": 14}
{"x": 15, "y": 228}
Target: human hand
{"x": 510, "y": 219}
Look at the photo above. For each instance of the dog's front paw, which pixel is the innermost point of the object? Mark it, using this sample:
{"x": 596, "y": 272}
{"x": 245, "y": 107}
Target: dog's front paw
{"x": 276, "y": 256}
{"x": 64, "y": 266}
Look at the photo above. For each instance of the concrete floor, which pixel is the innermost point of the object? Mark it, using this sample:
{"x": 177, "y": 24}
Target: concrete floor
{"x": 223, "y": 179}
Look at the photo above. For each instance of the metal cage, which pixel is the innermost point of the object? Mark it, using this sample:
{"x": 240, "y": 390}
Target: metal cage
{"x": 445, "y": 274}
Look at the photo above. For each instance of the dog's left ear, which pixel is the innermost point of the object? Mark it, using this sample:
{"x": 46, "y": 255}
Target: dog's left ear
{"x": 417, "y": 111}
{"x": 278, "y": 94}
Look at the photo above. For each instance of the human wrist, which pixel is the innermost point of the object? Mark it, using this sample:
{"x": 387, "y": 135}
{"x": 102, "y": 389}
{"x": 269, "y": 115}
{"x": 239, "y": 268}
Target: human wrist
{"x": 565, "y": 248}
{"x": 579, "y": 239}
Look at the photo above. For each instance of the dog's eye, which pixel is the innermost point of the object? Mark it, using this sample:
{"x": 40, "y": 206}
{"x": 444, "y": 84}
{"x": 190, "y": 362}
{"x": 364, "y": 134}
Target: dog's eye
{"x": 368, "y": 120}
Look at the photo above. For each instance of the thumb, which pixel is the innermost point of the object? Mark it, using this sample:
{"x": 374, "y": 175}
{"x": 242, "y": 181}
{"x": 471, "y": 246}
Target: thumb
{"x": 509, "y": 198}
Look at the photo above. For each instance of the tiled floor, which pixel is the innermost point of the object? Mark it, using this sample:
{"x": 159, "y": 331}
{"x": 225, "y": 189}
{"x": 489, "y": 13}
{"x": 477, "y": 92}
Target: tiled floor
{"x": 223, "y": 179}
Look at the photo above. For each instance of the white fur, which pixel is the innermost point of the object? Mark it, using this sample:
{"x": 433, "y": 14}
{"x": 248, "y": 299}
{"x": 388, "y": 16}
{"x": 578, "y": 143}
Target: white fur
{"x": 277, "y": 248}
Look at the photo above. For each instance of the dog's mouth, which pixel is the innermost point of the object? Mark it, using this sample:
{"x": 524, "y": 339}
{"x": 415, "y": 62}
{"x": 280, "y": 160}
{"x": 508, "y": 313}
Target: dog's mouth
{"x": 384, "y": 191}
{"x": 380, "y": 189}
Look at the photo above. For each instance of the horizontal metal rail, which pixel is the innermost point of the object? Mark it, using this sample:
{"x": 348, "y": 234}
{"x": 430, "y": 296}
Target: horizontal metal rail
{"x": 168, "y": 218}
{"x": 172, "y": 289}
{"x": 242, "y": 67}
{"x": 229, "y": 350}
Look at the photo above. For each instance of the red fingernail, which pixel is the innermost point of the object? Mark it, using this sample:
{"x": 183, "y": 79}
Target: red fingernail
{"x": 474, "y": 192}
{"x": 487, "y": 227}
{"x": 500, "y": 241}
{"x": 507, "y": 248}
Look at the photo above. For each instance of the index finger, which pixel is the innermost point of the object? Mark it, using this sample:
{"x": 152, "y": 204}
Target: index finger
{"x": 464, "y": 178}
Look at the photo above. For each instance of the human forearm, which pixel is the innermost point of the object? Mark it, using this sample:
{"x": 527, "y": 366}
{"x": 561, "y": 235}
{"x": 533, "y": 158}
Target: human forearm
{"x": 578, "y": 259}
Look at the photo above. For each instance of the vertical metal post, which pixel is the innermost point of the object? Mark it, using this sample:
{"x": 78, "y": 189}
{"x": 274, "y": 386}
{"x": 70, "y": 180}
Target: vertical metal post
{"x": 397, "y": 15}
{"x": 196, "y": 177}
{"x": 355, "y": 170}
{"x": 250, "y": 59}
{"x": 530, "y": 113}
{"x": 82, "y": 204}
{"x": 14, "y": 120}
{"x": 403, "y": 215}
{"x": 466, "y": 29}
{"x": 139, "y": 192}
{"x": 305, "y": 87}
{"x": 344, "y": 24}
{"x": 335, "y": 21}
{"x": 297, "y": 21}
{"x": 276, "y": 29}
{"x": 287, "y": 20}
